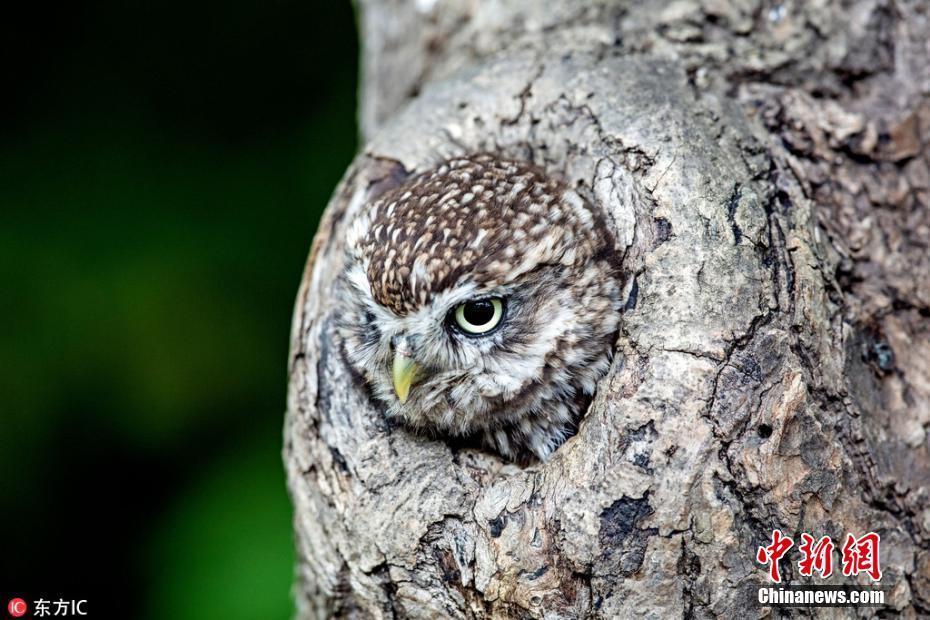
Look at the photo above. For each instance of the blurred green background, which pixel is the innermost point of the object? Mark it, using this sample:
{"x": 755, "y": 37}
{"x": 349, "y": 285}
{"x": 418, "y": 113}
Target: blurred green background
{"x": 163, "y": 166}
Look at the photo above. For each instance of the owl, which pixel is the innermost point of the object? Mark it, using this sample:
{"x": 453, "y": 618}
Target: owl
{"x": 481, "y": 299}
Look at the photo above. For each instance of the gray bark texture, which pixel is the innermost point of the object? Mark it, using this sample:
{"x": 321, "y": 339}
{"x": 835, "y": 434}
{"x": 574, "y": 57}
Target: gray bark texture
{"x": 766, "y": 166}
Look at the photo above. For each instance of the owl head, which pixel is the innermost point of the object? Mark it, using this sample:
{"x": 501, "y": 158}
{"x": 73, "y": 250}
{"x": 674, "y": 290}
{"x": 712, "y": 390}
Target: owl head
{"x": 481, "y": 298}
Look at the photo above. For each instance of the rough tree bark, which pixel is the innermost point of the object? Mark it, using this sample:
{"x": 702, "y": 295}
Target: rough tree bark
{"x": 766, "y": 167}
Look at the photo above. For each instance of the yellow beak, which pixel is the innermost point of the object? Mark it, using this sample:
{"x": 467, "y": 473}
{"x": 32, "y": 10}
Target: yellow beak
{"x": 404, "y": 372}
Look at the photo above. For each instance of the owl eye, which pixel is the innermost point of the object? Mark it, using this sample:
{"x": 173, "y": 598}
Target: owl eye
{"x": 479, "y": 316}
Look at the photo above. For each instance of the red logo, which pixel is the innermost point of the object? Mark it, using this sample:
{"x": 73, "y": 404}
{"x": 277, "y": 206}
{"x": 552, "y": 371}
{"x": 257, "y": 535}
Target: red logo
{"x": 860, "y": 555}
{"x": 817, "y": 557}
{"x": 772, "y": 553}
{"x": 17, "y": 607}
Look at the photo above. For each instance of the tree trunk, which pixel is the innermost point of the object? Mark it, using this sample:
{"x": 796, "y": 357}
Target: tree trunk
{"x": 767, "y": 170}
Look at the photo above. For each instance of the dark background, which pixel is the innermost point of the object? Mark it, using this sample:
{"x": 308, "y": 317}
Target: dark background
{"x": 162, "y": 169}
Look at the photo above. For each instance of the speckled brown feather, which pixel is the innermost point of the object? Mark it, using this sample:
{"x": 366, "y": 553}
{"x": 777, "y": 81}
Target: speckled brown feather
{"x": 445, "y": 223}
